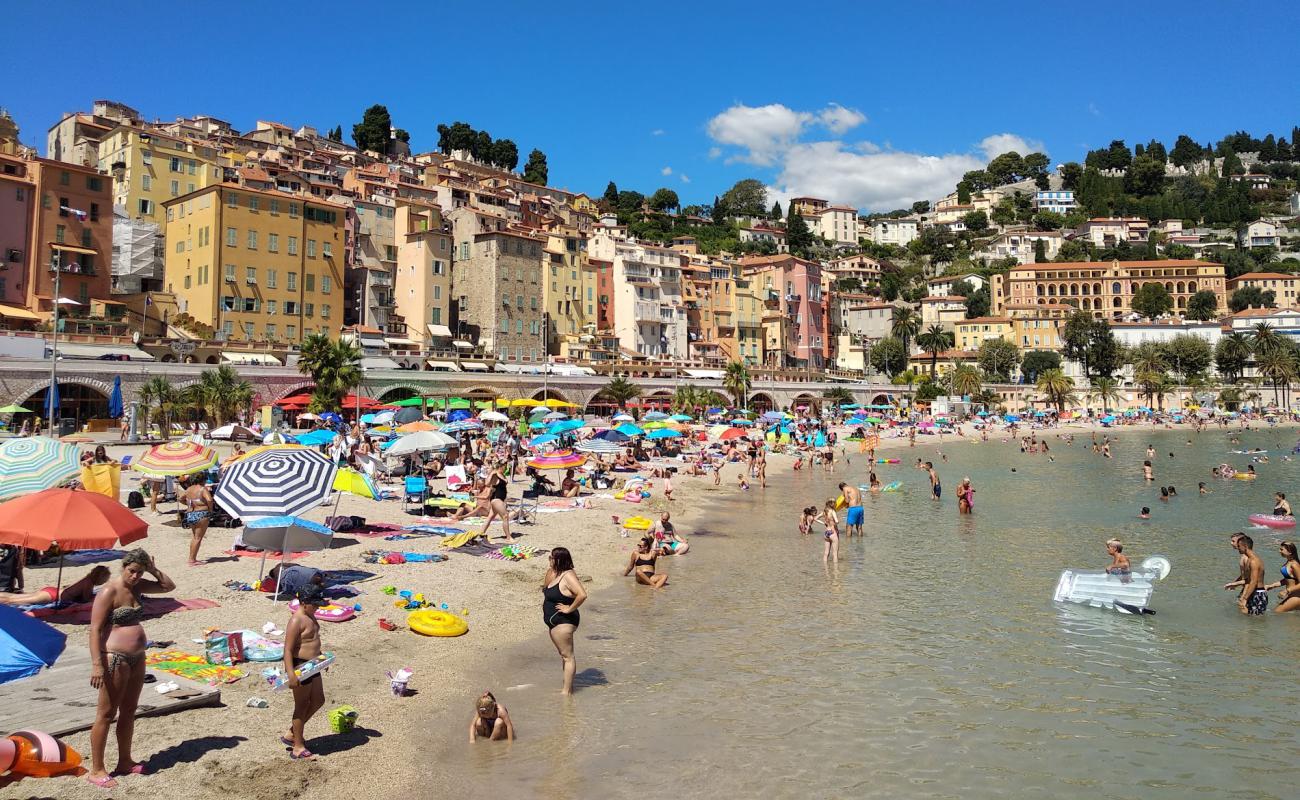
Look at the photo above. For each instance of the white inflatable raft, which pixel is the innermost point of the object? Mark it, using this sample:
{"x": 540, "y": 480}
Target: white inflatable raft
{"x": 1127, "y": 594}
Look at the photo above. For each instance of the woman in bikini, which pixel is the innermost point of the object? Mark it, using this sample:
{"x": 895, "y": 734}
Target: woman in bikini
{"x": 1289, "y": 597}
{"x": 643, "y": 561}
{"x": 198, "y": 514}
{"x": 831, "y": 520}
{"x": 80, "y": 591}
{"x": 117, "y": 645}
{"x": 562, "y": 593}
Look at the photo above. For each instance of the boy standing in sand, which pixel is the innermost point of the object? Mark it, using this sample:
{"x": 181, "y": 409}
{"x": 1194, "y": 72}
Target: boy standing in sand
{"x": 302, "y": 644}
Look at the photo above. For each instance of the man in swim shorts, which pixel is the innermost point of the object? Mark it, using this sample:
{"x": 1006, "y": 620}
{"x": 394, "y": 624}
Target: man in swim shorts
{"x": 936, "y": 490}
{"x": 1253, "y": 600}
{"x": 855, "y": 514}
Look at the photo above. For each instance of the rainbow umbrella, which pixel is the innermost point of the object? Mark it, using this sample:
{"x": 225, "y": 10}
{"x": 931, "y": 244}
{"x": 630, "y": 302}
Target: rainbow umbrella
{"x": 173, "y": 459}
{"x": 34, "y": 464}
{"x": 560, "y": 459}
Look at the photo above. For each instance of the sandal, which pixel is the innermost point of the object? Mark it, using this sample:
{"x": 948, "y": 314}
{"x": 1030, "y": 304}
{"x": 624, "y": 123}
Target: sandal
{"x": 136, "y": 769}
{"x": 105, "y": 782}
{"x": 305, "y": 755}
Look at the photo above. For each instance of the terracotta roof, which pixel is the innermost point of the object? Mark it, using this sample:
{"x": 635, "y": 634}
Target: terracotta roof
{"x": 943, "y": 298}
{"x": 1165, "y": 262}
{"x": 1262, "y": 276}
{"x": 985, "y": 320}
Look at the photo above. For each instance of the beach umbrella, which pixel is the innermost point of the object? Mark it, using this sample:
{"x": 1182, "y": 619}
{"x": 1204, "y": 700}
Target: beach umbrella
{"x": 981, "y": 413}
{"x": 680, "y": 418}
{"x": 14, "y": 409}
{"x": 925, "y": 423}
{"x": 417, "y": 426}
{"x": 599, "y": 446}
{"x": 74, "y": 519}
{"x": 655, "y": 416}
{"x": 422, "y": 441}
{"x": 353, "y": 482}
{"x": 52, "y": 401}
{"x": 537, "y": 425}
{"x": 368, "y": 419}
{"x": 545, "y": 438}
{"x": 629, "y": 429}
{"x": 663, "y": 433}
{"x": 462, "y": 425}
{"x": 773, "y": 415}
{"x": 410, "y": 402}
{"x": 742, "y": 421}
{"x": 287, "y": 534}
{"x": 565, "y": 425}
{"x": 115, "y": 398}
{"x": 623, "y": 418}
{"x": 612, "y": 436}
{"x": 316, "y": 438}
{"x": 553, "y": 403}
{"x": 35, "y": 463}
{"x": 233, "y": 433}
{"x": 560, "y": 459}
{"x": 26, "y": 644}
{"x": 731, "y": 433}
{"x": 309, "y": 416}
{"x": 524, "y": 402}
{"x": 175, "y": 459}
{"x": 493, "y": 416}
{"x": 275, "y": 482}
{"x": 555, "y": 416}
{"x": 278, "y": 437}
{"x": 874, "y": 420}
{"x": 403, "y": 415}
{"x": 331, "y": 417}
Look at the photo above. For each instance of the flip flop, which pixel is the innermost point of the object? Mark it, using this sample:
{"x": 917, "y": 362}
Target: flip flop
{"x": 305, "y": 755}
{"x": 105, "y": 782}
{"x": 138, "y": 769}
{"x": 286, "y": 741}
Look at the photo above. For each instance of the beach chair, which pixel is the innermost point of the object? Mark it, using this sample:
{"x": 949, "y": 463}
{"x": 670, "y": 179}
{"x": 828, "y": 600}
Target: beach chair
{"x": 417, "y": 490}
{"x": 126, "y": 463}
{"x": 524, "y": 510}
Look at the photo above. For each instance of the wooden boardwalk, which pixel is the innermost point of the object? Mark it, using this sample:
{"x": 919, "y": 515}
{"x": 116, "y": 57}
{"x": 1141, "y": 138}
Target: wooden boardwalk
{"x": 61, "y": 700}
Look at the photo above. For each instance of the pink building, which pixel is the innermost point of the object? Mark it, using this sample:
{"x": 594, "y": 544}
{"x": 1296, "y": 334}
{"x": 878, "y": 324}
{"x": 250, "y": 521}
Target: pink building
{"x": 795, "y": 329}
{"x": 17, "y": 199}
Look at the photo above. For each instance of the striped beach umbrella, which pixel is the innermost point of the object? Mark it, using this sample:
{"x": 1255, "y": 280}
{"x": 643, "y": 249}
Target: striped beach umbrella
{"x": 462, "y": 425}
{"x": 35, "y": 463}
{"x": 599, "y": 446}
{"x": 560, "y": 459}
{"x": 277, "y": 481}
{"x": 177, "y": 458}
{"x": 287, "y": 534}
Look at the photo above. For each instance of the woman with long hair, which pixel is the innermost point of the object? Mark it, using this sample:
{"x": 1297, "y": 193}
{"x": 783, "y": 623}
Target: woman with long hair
{"x": 117, "y": 646}
{"x": 499, "y": 485}
{"x": 562, "y": 593}
{"x": 1289, "y": 597}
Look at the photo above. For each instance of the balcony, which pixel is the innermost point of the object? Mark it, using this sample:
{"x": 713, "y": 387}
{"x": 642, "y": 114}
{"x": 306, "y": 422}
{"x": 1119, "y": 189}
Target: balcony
{"x": 646, "y": 312}
{"x": 637, "y": 275}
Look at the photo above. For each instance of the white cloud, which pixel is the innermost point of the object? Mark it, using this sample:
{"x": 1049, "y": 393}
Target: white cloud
{"x": 685, "y": 178}
{"x": 666, "y": 171}
{"x": 838, "y": 120}
{"x": 657, "y": 132}
{"x": 714, "y": 152}
{"x": 1093, "y": 110}
{"x": 1000, "y": 143}
{"x": 761, "y": 131}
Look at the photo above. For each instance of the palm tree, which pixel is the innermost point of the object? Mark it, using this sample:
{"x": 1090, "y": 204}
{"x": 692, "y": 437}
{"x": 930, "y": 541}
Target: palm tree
{"x": 334, "y": 366}
{"x": 223, "y": 394}
{"x": 620, "y": 390}
{"x": 1150, "y": 380}
{"x": 158, "y": 391}
{"x": 932, "y": 341}
{"x": 965, "y": 379}
{"x": 1058, "y": 387}
{"x": 1236, "y": 350}
{"x": 1105, "y": 389}
{"x": 1277, "y": 364}
{"x": 736, "y": 381}
{"x": 1264, "y": 338}
{"x": 839, "y": 395}
{"x": 907, "y": 377}
{"x": 1230, "y": 397}
{"x": 906, "y": 325}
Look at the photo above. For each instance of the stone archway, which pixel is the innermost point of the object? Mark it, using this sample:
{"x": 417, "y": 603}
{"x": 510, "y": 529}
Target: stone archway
{"x": 80, "y": 398}
{"x": 291, "y": 389}
{"x": 812, "y": 401}
{"x": 881, "y": 399}
{"x": 761, "y": 402}
{"x": 549, "y": 394}
{"x": 394, "y": 393}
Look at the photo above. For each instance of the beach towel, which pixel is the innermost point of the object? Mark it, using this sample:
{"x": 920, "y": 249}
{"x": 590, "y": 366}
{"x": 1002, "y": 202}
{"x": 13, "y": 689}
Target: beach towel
{"x": 438, "y": 530}
{"x": 196, "y": 668}
{"x": 272, "y": 555}
{"x": 455, "y": 476}
{"x": 79, "y": 614}
{"x": 105, "y": 479}
{"x": 91, "y": 557}
{"x": 552, "y": 510}
{"x": 397, "y": 557}
{"x": 459, "y": 540}
{"x": 515, "y": 552}
{"x": 374, "y": 530}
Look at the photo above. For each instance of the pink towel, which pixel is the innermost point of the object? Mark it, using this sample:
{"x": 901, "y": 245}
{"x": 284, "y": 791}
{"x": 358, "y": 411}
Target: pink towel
{"x": 153, "y": 607}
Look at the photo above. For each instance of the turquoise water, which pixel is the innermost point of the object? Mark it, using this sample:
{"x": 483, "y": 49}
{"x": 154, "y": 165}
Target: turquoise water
{"x": 931, "y": 662}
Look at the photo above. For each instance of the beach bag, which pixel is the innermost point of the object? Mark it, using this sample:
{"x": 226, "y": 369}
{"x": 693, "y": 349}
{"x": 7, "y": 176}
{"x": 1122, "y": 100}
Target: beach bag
{"x": 338, "y": 524}
{"x": 135, "y": 500}
{"x": 224, "y": 648}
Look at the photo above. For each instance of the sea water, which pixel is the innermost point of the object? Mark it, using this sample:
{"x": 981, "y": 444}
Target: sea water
{"x": 931, "y": 661}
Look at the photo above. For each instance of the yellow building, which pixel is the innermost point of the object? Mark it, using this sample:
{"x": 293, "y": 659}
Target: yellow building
{"x": 150, "y": 168}
{"x": 585, "y": 205}
{"x": 422, "y": 282}
{"x": 748, "y": 317}
{"x": 566, "y": 295}
{"x": 1038, "y": 327}
{"x": 971, "y": 333}
{"x": 256, "y": 265}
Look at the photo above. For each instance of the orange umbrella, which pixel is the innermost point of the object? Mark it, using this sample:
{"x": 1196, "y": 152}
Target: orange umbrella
{"x": 71, "y": 518}
{"x": 418, "y": 425}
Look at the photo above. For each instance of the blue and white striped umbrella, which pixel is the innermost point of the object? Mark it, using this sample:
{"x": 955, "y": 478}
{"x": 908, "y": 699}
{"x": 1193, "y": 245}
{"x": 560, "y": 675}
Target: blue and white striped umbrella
{"x": 34, "y": 464}
{"x": 462, "y": 425}
{"x": 275, "y": 482}
{"x": 599, "y": 446}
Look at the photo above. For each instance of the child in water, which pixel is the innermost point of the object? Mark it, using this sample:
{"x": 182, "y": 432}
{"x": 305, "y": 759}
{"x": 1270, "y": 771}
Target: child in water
{"x": 1118, "y": 561}
{"x": 1145, "y": 513}
{"x": 491, "y": 721}
{"x": 807, "y": 519}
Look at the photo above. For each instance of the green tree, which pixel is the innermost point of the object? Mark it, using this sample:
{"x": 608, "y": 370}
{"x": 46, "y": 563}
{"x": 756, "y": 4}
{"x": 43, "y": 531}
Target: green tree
{"x": 1105, "y": 390}
{"x": 505, "y": 154}
{"x": 797, "y": 235}
{"x": 535, "y": 170}
{"x": 1048, "y": 221}
{"x": 1071, "y": 173}
{"x": 1036, "y": 362}
{"x": 1152, "y": 300}
{"x": 664, "y": 199}
{"x": 1278, "y": 365}
{"x": 1231, "y": 355}
{"x": 1040, "y": 251}
{"x": 976, "y": 221}
{"x": 839, "y": 396}
{"x": 1203, "y": 306}
{"x": 933, "y": 341}
{"x": 906, "y": 325}
{"x": 1232, "y": 164}
{"x": 1004, "y": 213}
{"x": 999, "y": 359}
{"x": 1251, "y": 297}
{"x": 888, "y": 356}
{"x": 963, "y": 193}
{"x": 1058, "y": 388}
{"x": 921, "y": 207}
{"x": 746, "y": 197}
{"x": 977, "y": 303}
{"x": 1264, "y": 338}
{"x": 736, "y": 380}
{"x": 157, "y": 392}
{"x": 1186, "y": 152}
{"x": 1005, "y": 168}
{"x": 775, "y": 213}
{"x": 223, "y": 393}
{"x": 372, "y": 132}
{"x": 611, "y": 195}
{"x": 336, "y": 134}
{"x": 621, "y": 390}
{"x": 964, "y": 380}
{"x": 334, "y": 366}
{"x": 1190, "y": 356}
{"x": 1145, "y": 178}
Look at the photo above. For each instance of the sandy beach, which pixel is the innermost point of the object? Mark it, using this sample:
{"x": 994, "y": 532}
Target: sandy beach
{"x": 234, "y": 750}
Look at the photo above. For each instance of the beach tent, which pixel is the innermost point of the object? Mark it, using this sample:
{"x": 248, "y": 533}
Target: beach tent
{"x": 26, "y": 645}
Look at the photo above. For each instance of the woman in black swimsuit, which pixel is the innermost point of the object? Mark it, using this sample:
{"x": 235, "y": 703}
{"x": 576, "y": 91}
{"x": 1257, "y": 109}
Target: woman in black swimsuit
{"x": 643, "y": 561}
{"x": 562, "y": 593}
{"x": 499, "y": 485}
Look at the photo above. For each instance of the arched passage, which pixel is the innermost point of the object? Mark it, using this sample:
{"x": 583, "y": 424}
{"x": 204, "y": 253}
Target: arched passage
{"x": 806, "y": 402}
{"x": 601, "y": 404}
{"x": 549, "y": 394}
{"x": 660, "y": 400}
{"x": 78, "y": 401}
{"x": 881, "y": 400}
{"x": 397, "y": 393}
{"x": 761, "y": 402}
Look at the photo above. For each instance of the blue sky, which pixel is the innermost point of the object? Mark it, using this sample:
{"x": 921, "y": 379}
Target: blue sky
{"x": 873, "y": 104}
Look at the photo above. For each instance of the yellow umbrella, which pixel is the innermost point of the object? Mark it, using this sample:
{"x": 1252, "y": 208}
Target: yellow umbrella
{"x": 553, "y": 403}
{"x": 264, "y": 448}
{"x": 349, "y": 480}
{"x": 524, "y": 402}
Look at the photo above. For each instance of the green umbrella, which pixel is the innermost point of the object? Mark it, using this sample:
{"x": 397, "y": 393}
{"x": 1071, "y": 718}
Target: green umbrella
{"x": 13, "y": 409}
{"x": 408, "y": 402}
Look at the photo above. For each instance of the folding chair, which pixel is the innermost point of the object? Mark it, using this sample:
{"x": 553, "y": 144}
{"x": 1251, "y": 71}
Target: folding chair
{"x": 524, "y": 510}
{"x": 416, "y": 487}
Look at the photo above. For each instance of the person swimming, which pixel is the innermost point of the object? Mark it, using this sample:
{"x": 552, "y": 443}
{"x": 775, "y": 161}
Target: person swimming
{"x": 1118, "y": 561}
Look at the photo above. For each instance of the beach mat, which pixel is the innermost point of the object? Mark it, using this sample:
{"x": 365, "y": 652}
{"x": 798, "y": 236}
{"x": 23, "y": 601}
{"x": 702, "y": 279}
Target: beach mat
{"x": 91, "y": 557}
{"x": 196, "y": 668}
{"x": 375, "y": 530}
{"x": 271, "y": 555}
{"x": 79, "y": 614}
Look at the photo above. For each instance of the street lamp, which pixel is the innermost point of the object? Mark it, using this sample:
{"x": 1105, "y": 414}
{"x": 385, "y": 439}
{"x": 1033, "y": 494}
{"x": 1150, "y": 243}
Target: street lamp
{"x": 56, "y": 259}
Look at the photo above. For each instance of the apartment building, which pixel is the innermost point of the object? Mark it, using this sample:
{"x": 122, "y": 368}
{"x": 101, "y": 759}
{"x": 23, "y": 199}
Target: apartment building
{"x": 497, "y": 283}
{"x": 150, "y": 167}
{"x": 1110, "y": 231}
{"x": 796, "y": 331}
{"x": 256, "y": 265}
{"x": 865, "y": 269}
{"x": 969, "y": 334}
{"x": 836, "y": 224}
{"x": 370, "y": 273}
{"x": 1022, "y": 246}
{"x": 569, "y": 299}
{"x": 864, "y": 325}
{"x": 18, "y": 199}
{"x": 1260, "y": 233}
{"x": 943, "y": 285}
{"x": 73, "y": 227}
{"x": 1060, "y": 201}
{"x": 138, "y": 254}
{"x": 943, "y": 310}
{"x": 1105, "y": 288}
{"x": 761, "y": 234}
{"x": 1282, "y": 286}
{"x": 748, "y": 316}
{"x": 649, "y": 316}
{"x": 898, "y": 232}
{"x": 422, "y": 283}
{"x": 75, "y": 138}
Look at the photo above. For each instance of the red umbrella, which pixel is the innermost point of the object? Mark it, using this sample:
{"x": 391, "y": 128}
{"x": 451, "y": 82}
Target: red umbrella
{"x": 73, "y": 519}
{"x": 352, "y": 401}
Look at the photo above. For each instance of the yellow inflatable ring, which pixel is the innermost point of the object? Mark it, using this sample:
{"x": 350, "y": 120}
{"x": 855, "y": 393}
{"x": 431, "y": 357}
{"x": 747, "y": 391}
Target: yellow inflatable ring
{"x": 638, "y": 523}
{"x": 1245, "y": 476}
{"x": 429, "y": 622}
